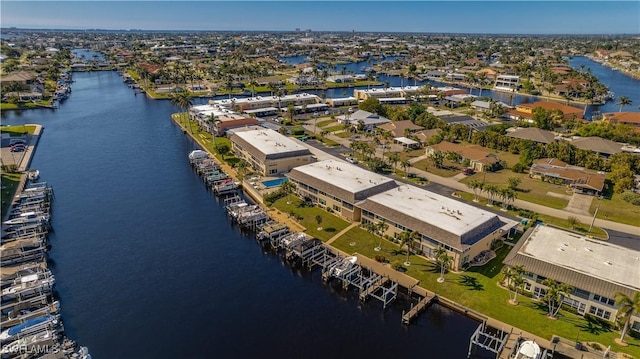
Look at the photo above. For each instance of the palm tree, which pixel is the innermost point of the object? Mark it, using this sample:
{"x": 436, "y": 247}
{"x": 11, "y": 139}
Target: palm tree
{"x": 491, "y": 190}
{"x": 556, "y": 292}
{"x": 405, "y": 164}
{"x": 241, "y": 166}
{"x": 624, "y": 101}
{"x": 406, "y": 238}
{"x": 380, "y": 228}
{"x": 514, "y": 281}
{"x": 444, "y": 260}
{"x": 629, "y": 306}
{"x": 183, "y": 100}
{"x": 288, "y": 187}
{"x": 476, "y": 186}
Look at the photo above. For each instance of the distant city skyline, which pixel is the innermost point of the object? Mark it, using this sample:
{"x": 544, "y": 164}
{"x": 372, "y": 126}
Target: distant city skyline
{"x": 483, "y": 17}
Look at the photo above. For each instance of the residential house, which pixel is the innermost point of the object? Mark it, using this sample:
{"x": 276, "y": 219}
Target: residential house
{"x": 480, "y": 159}
{"x": 556, "y": 171}
{"x": 532, "y": 133}
{"x": 369, "y": 121}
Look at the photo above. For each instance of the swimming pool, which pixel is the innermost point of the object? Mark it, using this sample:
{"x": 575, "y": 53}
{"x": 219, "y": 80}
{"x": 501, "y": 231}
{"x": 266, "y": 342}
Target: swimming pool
{"x": 274, "y": 183}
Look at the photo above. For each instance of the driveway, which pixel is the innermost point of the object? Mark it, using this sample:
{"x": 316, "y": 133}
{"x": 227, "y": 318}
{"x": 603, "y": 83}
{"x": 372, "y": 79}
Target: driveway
{"x": 579, "y": 203}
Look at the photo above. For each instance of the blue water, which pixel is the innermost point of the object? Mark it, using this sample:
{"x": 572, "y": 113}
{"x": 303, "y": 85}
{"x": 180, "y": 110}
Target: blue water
{"x": 148, "y": 266}
{"x": 274, "y": 182}
{"x": 616, "y": 81}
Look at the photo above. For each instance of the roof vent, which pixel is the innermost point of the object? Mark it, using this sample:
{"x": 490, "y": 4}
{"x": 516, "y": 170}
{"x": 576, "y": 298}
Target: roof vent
{"x": 561, "y": 249}
{"x": 565, "y": 244}
{"x": 608, "y": 263}
{"x": 588, "y": 249}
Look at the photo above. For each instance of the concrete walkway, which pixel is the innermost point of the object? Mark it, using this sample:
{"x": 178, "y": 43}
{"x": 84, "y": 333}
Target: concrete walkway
{"x": 339, "y": 234}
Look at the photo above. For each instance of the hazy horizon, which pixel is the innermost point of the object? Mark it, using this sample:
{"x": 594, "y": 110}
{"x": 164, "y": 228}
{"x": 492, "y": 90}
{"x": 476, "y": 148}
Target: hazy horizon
{"x": 453, "y": 17}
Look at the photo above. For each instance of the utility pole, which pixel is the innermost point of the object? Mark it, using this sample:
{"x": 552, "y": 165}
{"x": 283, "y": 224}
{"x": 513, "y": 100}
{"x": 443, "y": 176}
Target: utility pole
{"x": 595, "y": 214}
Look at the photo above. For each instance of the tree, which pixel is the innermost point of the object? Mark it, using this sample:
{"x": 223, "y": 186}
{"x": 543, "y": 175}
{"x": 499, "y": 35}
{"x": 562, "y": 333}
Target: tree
{"x": 476, "y": 186}
{"x": 319, "y": 221}
{"x": 380, "y": 228}
{"x": 437, "y": 157}
{"x": 556, "y": 292}
{"x": 223, "y": 149}
{"x": 624, "y": 101}
{"x": 492, "y": 190}
{"x": 506, "y": 195}
{"x": 288, "y": 187}
{"x": 183, "y": 100}
{"x": 629, "y": 306}
{"x": 444, "y": 260}
{"x": 372, "y": 105}
{"x": 405, "y": 164}
{"x": 514, "y": 182}
{"x": 241, "y": 166}
{"x": 574, "y": 222}
{"x": 513, "y": 280}
{"x": 405, "y": 238}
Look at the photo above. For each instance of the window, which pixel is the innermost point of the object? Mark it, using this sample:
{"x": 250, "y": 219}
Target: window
{"x": 539, "y": 292}
{"x": 604, "y": 300}
{"x": 527, "y": 286}
{"x": 322, "y": 202}
{"x": 336, "y": 208}
{"x": 575, "y": 304}
{"x": 273, "y": 171}
{"x": 580, "y": 293}
{"x": 599, "y": 312}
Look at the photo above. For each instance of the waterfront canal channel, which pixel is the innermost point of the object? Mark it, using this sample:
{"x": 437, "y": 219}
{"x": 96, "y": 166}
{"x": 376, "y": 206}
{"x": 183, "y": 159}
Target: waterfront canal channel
{"x": 148, "y": 265}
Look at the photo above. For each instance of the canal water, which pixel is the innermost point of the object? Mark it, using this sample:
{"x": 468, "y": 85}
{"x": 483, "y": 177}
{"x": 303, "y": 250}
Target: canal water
{"x": 148, "y": 266}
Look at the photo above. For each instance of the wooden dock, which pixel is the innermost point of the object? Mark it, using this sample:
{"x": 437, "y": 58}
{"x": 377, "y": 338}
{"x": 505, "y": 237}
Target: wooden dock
{"x": 511, "y": 345}
{"x": 416, "y": 309}
{"x": 372, "y": 288}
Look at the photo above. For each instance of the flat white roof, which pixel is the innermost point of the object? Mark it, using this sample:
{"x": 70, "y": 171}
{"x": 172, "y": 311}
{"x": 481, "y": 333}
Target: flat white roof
{"x": 344, "y": 175}
{"x": 593, "y": 257}
{"x": 429, "y": 207}
{"x": 270, "y": 142}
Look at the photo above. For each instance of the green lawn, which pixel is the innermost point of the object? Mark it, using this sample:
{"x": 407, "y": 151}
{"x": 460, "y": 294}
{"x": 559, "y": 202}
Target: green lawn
{"x": 9, "y": 183}
{"x": 18, "y": 130}
{"x": 449, "y": 169}
{"x": 478, "y": 289}
{"x": 530, "y": 190}
{"x": 307, "y": 217}
{"x": 323, "y": 123}
{"x": 558, "y": 222}
{"x": 345, "y": 134}
{"x": 335, "y": 128}
{"x": 617, "y": 210}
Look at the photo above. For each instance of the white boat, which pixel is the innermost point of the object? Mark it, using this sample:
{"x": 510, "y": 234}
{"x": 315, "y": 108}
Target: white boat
{"x": 17, "y": 345}
{"x": 528, "y": 350}
{"x": 198, "y": 154}
{"x": 28, "y": 218}
{"x": 343, "y": 266}
{"x": 34, "y": 175}
{"x": 30, "y": 326}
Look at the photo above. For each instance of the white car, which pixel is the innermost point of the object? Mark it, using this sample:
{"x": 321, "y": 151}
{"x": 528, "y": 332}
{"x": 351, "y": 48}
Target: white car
{"x": 352, "y": 160}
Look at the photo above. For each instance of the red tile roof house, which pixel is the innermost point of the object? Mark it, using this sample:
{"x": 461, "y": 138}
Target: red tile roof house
{"x": 480, "y": 158}
{"x": 525, "y": 110}
{"x": 625, "y": 118}
{"x": 581, "y": 181}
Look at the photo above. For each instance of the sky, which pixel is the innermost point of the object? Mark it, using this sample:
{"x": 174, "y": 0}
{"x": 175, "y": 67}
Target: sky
{"x": 488, "y": 17}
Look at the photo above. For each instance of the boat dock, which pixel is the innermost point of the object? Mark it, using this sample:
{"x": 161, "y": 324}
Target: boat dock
{"x": 418, "y": 308}
{"x": 29, "y": 314}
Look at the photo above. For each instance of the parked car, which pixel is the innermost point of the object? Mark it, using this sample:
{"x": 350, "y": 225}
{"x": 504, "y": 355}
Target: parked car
{"x": 18, "y": 148}
{"x": 352, "y": 160}
{"x": 468, "y": 171}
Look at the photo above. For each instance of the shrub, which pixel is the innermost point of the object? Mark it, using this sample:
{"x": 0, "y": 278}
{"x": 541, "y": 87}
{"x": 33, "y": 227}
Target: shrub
{"x": 380, "y": 258}
{"x": 633, "y": 198}
{"x": 596, "y": 346}
{"x": 518, "y": 168}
